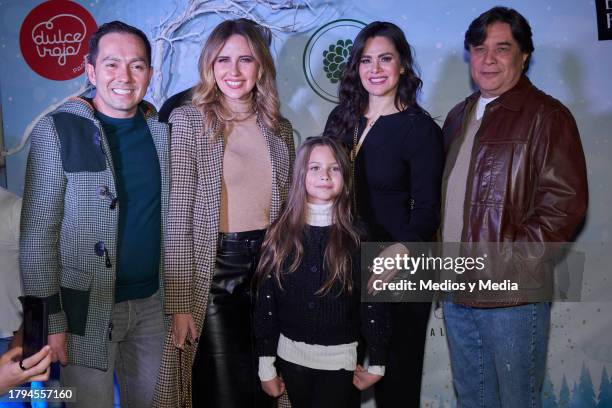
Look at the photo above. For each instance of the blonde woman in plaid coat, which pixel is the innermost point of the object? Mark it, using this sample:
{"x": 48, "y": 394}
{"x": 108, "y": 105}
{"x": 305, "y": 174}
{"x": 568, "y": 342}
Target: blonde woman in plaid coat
{"x": 231, "y": 160}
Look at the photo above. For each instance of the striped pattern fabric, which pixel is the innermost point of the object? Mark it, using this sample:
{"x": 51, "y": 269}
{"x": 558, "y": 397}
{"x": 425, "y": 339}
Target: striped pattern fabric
{"x": 64, "y": 216}
{"x": 193, "y": 224}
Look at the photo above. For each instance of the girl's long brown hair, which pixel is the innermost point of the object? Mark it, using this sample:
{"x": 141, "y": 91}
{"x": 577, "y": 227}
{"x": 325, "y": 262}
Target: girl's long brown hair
{"x": 207, "y": 96}
{"x": 284, "y": 239}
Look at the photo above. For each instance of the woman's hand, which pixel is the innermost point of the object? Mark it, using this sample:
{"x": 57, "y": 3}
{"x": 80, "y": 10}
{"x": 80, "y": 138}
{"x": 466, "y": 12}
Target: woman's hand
{"x": 14, "y": 373}
{"x": 182, "y": 324}
{"x": 274, "y": 387}
{"x": 391, "y": 251}
{"x": 362, "y": 379}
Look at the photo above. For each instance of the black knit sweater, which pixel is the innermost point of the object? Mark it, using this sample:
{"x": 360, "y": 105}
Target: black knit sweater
{"x": 332, "y": 319}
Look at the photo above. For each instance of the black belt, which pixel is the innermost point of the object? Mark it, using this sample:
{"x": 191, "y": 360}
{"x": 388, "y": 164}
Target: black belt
{"x": 247, "y": 241}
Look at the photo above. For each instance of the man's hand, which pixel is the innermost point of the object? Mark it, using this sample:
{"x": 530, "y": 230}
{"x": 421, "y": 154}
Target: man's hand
{"x": 14, "y": 373}
{"x": 182, "y": 323}
{"x": 274, "y": 387}
{"x": 363, "y": 379}
{"x": 58, "y": 345}
{"x": 387, "y": 276}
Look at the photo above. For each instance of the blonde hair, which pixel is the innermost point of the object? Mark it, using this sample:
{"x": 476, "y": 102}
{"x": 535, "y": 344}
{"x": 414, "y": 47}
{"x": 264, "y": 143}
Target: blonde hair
{"x": 207, "y": 96}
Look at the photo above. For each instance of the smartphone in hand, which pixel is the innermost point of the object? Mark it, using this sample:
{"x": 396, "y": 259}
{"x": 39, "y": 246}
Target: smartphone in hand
{"x": 35, "y": 324}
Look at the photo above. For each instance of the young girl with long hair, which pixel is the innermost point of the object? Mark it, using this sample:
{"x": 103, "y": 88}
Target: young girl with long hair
{"x": 308, "y": 315}
{"x": 397, "y": 154}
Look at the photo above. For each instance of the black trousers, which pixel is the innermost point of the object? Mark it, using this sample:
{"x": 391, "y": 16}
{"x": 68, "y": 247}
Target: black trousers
{"x": 400, "y": 387}
{"x": 310, "y": 388}
{"x": 225, "y": 366}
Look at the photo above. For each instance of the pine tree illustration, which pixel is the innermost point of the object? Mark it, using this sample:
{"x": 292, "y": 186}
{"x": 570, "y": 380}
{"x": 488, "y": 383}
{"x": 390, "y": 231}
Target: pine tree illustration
{"x": 564, "y": 394}
{"x": 604, "y": 399}
{"x": 549, "y": 400}
{"x": 575, "y": 400}
{"x": 585, "y": 389}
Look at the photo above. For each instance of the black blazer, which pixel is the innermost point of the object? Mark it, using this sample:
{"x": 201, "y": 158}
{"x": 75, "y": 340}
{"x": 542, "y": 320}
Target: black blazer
{"x": 398, "y": 175}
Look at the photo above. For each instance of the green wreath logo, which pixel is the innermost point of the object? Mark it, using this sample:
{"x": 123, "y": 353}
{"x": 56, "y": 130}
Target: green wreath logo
{"x": 326, "y": 56}
{"x": 335, "y": 59}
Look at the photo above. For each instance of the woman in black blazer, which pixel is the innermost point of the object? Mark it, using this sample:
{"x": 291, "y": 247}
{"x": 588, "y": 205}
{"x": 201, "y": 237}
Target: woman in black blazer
{"x": 398, "y": 160}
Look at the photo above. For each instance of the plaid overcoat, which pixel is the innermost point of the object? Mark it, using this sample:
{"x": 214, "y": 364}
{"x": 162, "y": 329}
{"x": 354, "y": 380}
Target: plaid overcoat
{"x": 193, "y": 226}
{"x": 67, "y": 212}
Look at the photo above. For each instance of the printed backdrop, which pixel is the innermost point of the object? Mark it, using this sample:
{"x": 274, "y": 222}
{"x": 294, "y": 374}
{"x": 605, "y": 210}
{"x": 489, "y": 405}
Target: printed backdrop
{"x": 42, "y": 46}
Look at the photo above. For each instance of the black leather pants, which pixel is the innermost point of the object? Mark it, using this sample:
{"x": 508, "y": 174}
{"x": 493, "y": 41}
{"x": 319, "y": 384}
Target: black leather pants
{"x": 225, "y": 366}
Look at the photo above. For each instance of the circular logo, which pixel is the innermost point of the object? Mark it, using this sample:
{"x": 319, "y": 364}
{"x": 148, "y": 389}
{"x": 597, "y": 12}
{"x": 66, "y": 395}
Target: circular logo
{"x": 326, "y": 54}
{"x": 54, "y": 37}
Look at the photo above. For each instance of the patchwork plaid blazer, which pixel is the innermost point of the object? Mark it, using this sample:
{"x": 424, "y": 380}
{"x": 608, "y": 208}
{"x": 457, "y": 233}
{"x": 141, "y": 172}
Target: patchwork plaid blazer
{"x": 191, "y": 242}
{"x": 68, "y": 219}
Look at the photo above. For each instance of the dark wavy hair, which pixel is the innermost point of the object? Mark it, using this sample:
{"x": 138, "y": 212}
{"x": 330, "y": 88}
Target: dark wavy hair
{"x": 521, "y": 30}
{"x": 354, "y": 97}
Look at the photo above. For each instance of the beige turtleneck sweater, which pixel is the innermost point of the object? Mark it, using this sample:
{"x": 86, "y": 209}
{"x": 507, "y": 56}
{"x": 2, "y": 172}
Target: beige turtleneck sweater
{"x": 246, "y": 188}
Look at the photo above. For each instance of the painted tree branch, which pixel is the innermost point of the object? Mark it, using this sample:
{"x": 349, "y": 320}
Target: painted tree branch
{"x": 171, "y": 30}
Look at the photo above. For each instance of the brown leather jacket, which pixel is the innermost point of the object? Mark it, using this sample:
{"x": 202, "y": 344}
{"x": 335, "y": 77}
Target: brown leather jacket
{"x": 527, "y": 179}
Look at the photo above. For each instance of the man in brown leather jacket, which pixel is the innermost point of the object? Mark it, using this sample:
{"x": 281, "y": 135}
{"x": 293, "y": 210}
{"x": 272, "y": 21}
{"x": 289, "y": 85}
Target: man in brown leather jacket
{"x": 515, "y": 173}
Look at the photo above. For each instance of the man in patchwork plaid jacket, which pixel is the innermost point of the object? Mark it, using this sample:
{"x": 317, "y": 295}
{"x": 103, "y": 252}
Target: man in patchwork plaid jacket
{"x": 93, "y": 219}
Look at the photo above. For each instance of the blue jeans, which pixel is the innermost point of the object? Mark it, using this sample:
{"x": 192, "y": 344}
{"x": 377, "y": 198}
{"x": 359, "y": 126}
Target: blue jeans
{"x": 134, "y": 352}
{"x": 498, "y": 356}
{"x": 4, "y": 343}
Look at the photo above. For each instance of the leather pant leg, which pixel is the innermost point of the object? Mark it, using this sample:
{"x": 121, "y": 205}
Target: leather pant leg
{"x": 225, "y": 366}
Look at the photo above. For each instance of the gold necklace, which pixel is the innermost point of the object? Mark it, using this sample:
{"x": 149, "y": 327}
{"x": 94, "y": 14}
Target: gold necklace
{"x": 372, "y": 123}
{"x": 379, "y": 115}
{"x": 242, "y": 111}
{"x": 237, "y": 115}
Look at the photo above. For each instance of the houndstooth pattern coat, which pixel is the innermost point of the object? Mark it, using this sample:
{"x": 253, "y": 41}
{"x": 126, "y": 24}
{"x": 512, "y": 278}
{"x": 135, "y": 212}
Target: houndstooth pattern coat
{"x": 66, "y": 212}
{"x": 191, "y": 246}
